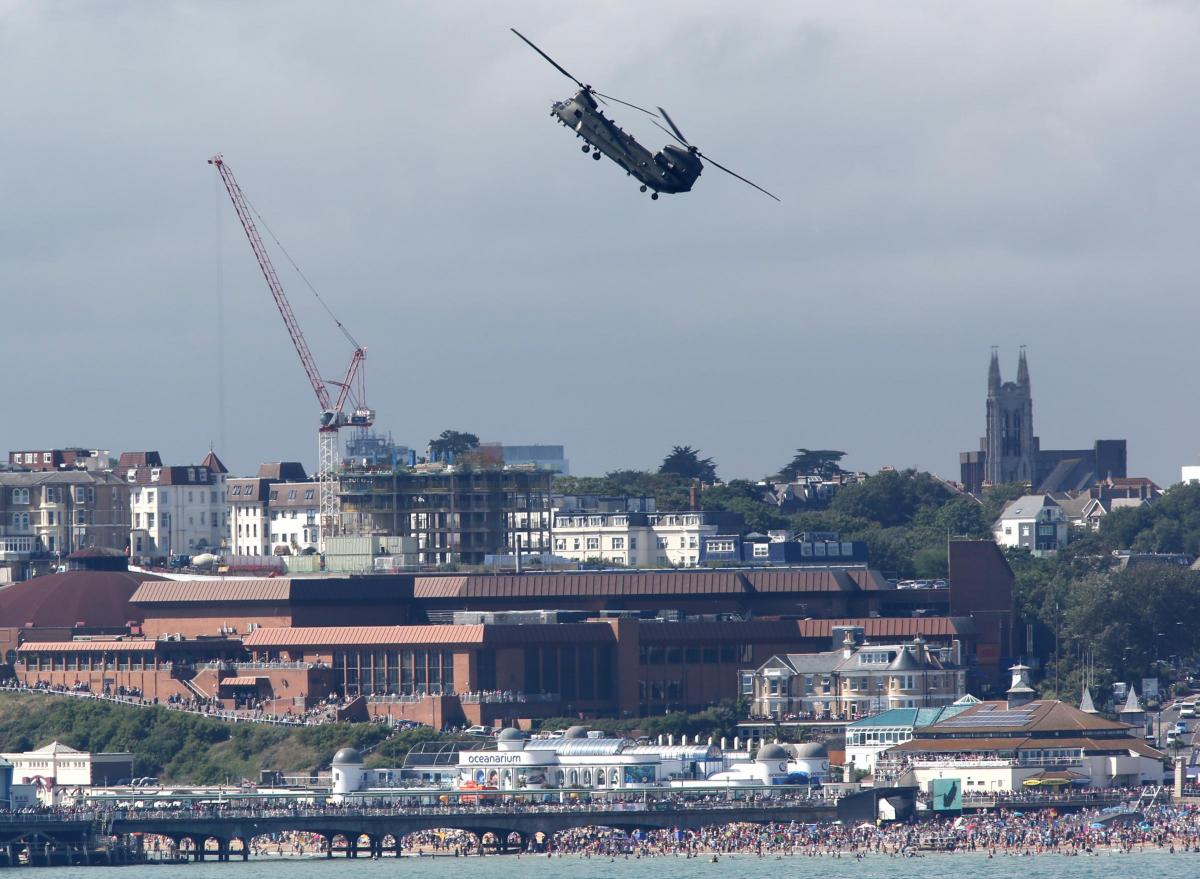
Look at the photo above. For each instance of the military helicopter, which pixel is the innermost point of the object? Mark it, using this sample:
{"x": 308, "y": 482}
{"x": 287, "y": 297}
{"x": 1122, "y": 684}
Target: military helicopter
{"x": 670, "y": 170}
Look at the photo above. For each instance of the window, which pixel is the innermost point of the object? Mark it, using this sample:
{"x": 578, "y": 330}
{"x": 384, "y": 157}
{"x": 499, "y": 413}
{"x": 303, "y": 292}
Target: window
{"x": 308, "y": 494}
{"x": 762, "y": 550}
{"x": 191, "y": 474}
{"x": 80, "y": 495}
{"x": 618, "y": 543}
{"x": 593, "y": 543}
{"x": 660, "y": 543}
{"x": 149, "y": 520}
{"x": 47, "y": 458}
{"x": 576, "y": 543}
{"x": 20, "y": 495}
{"x": 560, "y": 543}
{"x": 162, "y": 496}
{"x": 633, "y": 543}
{"x": 274, "y": 495}
{"x": 291, "y": 494}
{"x": 237, "y": 490}
{"x": 149, "y": 495}
{"x": 720, "y": 546}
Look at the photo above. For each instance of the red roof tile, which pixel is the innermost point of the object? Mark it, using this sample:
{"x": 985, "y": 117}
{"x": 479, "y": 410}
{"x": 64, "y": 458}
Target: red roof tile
{"x": 99, "y": 599}
{"x": 97, "y": 646}
{"x": 213, "y": 591}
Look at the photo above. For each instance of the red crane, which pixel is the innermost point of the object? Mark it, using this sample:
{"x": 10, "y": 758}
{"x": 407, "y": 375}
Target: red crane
{"x": 333, "y": 417}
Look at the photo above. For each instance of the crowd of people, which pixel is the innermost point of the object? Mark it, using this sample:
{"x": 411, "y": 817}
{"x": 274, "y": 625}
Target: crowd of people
{"x": 1163, "y": 828}
{"x": 1124, "y": 828}
{"x": 245, "y": 710}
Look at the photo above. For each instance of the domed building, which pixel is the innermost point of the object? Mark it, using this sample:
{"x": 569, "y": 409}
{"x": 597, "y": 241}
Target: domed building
{"x": 76, "y": 602}
{"x": 347, "y": 769}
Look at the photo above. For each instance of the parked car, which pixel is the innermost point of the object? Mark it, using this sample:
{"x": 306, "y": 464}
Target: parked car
{"x": 479, "y": 731}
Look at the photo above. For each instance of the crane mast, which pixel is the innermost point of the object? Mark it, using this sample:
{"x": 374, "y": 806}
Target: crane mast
{"x": 332, "y": 417}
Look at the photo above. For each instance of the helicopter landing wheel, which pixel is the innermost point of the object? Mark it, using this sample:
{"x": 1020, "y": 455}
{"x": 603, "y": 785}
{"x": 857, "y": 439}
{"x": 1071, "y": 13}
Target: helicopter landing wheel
{"x": 596, "y": 155}
{"x": 654, "y": 196}
{"x": 643, "y": 188}
{"x": 586, "y": 148}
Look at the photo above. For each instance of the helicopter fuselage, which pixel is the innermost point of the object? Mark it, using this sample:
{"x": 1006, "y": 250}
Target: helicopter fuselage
{"x": 669, "y": 170}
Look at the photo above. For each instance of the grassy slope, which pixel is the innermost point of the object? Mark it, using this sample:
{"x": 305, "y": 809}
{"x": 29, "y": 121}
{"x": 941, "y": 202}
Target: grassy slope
{"x": 174, "y": 746}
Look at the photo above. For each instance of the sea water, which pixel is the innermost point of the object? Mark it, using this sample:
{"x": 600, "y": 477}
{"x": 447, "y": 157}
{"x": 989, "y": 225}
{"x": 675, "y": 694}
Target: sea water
{"x": 1137, "y": 865}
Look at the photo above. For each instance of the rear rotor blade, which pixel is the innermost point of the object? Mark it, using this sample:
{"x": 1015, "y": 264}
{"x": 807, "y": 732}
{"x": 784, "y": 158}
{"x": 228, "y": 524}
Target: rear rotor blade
{"x": 557, "y": 66}
{"x": 672, "y": 134}
{"x": 679, "y": 134}
{"x": 737, "y": 175}
{"x": 626, "y": 103}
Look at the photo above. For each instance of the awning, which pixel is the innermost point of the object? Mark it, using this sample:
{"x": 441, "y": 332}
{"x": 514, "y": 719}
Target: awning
{"x": 241, "y": 682}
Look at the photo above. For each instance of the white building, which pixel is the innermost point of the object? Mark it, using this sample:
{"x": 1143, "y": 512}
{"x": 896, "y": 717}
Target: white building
{"x": 636, "y": 540}
{"x": 58, "y": 770}
{"x": 295, "y": 520}
{"x": 250, "y": 504}
{"x": 1035, "y": 522}
{"x": 1189, "y": 473}
{"x": 869, "y": 737}
{"x": 180, "y": 509}
{"x": 1023, "y": 742}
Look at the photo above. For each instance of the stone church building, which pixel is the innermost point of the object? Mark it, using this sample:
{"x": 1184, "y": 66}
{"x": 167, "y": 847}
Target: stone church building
{"x": 1010, "y": 452}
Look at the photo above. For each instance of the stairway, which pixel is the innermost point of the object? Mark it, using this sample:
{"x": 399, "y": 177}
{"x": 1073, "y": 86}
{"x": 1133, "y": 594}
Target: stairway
{"x": 196, "y": 691}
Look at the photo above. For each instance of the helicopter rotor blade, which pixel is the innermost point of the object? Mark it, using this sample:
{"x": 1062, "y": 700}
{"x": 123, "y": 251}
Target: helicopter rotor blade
{"x": 675, "y": 128}
{"x": 556, "y": 65}
{"x": 737, "y": 175}
{"x": 672, "y": 134}
{"x": 626, "y": 103}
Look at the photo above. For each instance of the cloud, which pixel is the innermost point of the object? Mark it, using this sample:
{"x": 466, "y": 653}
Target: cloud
{"x": 954, "y": 176}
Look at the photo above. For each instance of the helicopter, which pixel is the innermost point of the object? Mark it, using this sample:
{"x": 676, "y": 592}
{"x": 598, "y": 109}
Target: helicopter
{"x": 672, "y": 169}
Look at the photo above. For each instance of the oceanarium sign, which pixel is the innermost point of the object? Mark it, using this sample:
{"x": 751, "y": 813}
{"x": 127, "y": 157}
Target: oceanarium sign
{"x": 495, "y": 759}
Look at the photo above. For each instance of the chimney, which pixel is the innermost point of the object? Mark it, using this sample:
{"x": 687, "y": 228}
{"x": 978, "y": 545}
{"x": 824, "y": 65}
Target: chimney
{"x": 694, "y": 495}
{"x": 1019, "y": 692}
{"x": 919, "y": 649}
{"x": 847, "y": 645}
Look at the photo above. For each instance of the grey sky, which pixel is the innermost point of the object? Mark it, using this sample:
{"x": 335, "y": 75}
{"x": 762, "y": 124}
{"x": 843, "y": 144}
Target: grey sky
{"x": 954, "y": 175}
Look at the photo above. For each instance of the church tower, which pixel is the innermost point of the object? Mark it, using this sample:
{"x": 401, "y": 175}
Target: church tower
{"x": 1010, "y": 443}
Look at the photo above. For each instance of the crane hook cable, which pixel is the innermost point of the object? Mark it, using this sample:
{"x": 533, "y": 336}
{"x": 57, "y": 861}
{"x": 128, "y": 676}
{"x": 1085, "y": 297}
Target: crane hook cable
{"x": 303, "y": 277}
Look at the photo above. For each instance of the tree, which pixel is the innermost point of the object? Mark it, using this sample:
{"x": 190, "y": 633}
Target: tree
{"x": 813, "y": 462}
{"x": 451, "y": 442}
{"x": 745, "y": 499}
{"x": 686, "y": 462}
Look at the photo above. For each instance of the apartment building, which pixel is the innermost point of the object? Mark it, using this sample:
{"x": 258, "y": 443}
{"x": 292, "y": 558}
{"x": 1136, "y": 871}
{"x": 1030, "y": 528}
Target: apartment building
{"x": 294, "y": 523}
{"x": 178, "y": 509}
{"x": 49, "y": 460}
{"x": 249, "y": 501}
{"x": 858, "y": 680}
{"x": 641, "y": 540}
{"x": 47, "y": 515}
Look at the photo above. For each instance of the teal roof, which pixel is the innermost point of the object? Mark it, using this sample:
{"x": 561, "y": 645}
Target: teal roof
{"x": 893, "y": 717}
{"x": 910, "y": 718}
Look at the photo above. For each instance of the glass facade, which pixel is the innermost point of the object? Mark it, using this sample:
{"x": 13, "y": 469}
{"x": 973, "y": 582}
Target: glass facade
{"x": 394, "y": 672}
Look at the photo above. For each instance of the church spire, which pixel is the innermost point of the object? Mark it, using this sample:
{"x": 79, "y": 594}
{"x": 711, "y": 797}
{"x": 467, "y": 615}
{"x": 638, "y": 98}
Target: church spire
{"x": 1023, "y": 370}
{"x": 994, "y": 372}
